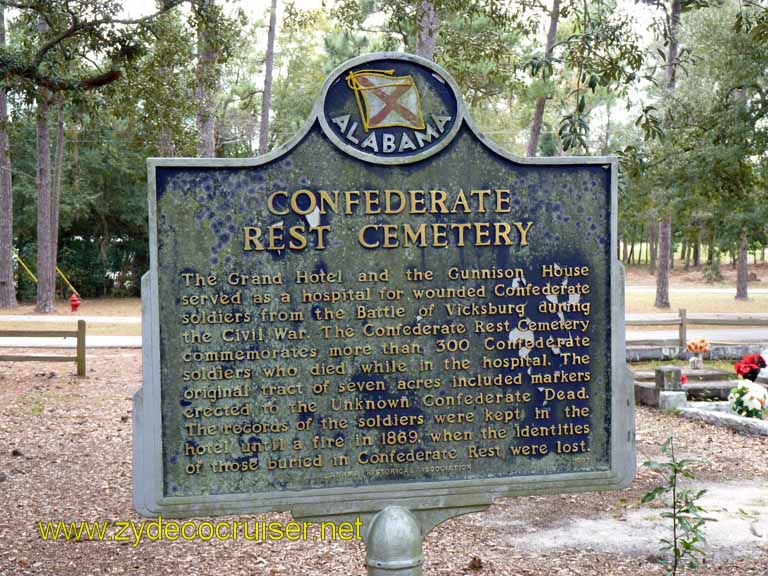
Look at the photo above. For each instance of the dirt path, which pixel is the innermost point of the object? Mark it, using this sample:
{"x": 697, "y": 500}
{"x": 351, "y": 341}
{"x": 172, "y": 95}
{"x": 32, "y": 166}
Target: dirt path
{"x": 65, "y": 448}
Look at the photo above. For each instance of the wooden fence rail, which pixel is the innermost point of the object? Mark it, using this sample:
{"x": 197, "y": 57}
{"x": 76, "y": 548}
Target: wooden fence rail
{"x": 79, "y": 359}
{"x": 684, "y": 320}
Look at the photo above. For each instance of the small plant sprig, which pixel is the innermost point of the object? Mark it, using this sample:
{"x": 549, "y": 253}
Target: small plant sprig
{"x": 685, "y": 514}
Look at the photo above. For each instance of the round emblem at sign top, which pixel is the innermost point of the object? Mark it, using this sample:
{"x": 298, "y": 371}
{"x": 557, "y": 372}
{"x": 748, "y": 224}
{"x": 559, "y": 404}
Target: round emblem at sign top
{"x": 390, "y": 108}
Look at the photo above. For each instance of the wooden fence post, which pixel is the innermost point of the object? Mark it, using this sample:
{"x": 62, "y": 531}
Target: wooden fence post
{"x": 683, "y": 329}
{"x": 81, "y": 348}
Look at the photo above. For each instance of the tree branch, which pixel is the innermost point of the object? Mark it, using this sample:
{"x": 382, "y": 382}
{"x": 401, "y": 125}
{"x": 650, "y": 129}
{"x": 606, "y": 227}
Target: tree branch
{"x": 80, "y": 27}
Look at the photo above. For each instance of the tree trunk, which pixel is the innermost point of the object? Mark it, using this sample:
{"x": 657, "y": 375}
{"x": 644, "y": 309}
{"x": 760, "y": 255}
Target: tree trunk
{"x": 165, "y": 144}
{"x": 541, "y": 102}
{"x": 697, "y": 253}
{"x": 74, "y": 136}
{"x": 607, "y": 140}
{"x": 686, "y": 254}
{"x": 7, "y": 288}
{"x": 742, "y": 270}
{"x": 427, "y": 27}
{"x": 266, "y": 96}
{"x": 206, "y": 82}
{"x": 665, "y": 225}
{"x": 671, "y": 254}
{"x": 646, "y": 254}
{"x": 653, "y": 232}
{"x": 45, "y": 259}
{"x": 662, "y": 270}
{"x": 673, "y": 47}
{"x": 58, "y": 163}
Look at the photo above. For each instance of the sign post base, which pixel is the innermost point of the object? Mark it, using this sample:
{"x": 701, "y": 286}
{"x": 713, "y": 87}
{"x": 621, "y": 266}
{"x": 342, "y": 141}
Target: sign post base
{"x": 394, "y": 544}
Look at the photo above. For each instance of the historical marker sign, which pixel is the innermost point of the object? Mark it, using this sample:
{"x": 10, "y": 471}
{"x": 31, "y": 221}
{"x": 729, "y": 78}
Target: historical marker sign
{"x": 387, "y": 310}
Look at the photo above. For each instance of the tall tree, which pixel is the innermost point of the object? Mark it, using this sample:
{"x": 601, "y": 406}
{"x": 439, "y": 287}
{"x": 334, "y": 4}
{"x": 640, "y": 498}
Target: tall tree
{"x": 207, "y": 77}
{"x": 541, "y": 101}
{"x": 7, "y": 287}
{"x": 665, "y": 224}
{"x": 742, "y": 275}
{"x": 154, "y": 93}
{"x": 59, "y": 60}
{"x": 591, "y": 49}
{"x": 266, "y": 96}
{"x": 427, "y": 29}
{"x": 708, "y": 169}
{"x": 58, "y": 166}
{"x": 46, "y": 260}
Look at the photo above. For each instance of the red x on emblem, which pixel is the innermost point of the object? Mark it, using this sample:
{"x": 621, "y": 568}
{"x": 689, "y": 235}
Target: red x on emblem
{"x": 390, "y": 100}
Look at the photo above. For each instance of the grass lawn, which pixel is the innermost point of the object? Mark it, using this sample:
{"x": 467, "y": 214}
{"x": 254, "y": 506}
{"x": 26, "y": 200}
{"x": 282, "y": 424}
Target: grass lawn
{"x": 709, "y": 364}
{"x": 642, "y": 303}
{"x": 91, "y": 329}
{"x": 88, "y": 307}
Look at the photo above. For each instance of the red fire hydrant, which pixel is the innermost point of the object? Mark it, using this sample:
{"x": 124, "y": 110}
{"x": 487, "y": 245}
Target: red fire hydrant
{"x": 74, "y": 302}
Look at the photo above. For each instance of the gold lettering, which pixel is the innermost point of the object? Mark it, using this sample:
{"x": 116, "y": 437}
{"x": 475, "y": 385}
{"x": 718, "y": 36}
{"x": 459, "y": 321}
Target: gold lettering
{"x": 461, "y": 199}
{"x": 251, "y": 236}
{"x": 523, "y": 232}
{"x": 438, "y": 200}
{"x": 271, "y": 203}
{"x": 481, "y": 195}
{"x": 418, "y": 202}
{"x": 503, "y": 202}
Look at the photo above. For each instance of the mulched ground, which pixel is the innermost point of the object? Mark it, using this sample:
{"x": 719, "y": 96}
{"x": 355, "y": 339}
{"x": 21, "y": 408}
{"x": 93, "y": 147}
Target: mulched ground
{"x": 65, "y": 453}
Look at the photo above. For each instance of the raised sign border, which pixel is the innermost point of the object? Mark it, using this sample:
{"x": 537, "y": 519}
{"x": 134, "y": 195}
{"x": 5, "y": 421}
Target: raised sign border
{"x": 148, "y": 495}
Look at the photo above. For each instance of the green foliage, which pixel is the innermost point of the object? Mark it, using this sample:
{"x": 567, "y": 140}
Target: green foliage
{"x": 752, "y": 18}
{"x": 83, "y": 263}
{"x": 154, "y": 95}
{"x": 698, "y": 153}
{"x": 685, "y": 515}
{"x": 103, "y": 199}
{"x": 604, "y": 51}
{"x": 548, "y": 144}
{"x": 650, "y": 124}
{"x": 574, "y": 129}
{"x": 703, "y": 153}
{"x": 65, "y": 46}
{"x": 597, "y": 53}
{"x": 25, "y": 286}
{"x": 479, "y": 42}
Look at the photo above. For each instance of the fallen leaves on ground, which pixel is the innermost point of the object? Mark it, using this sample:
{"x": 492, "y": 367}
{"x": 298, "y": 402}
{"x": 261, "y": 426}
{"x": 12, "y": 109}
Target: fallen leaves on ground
{"x": 65, "y": 454}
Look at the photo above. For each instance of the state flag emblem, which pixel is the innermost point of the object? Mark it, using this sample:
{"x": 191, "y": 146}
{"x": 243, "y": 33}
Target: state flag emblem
{"x": 386, "y": 100}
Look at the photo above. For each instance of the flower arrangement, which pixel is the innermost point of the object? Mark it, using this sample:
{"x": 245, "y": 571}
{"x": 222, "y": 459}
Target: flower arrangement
{"x": 749, "y": 399}
{"x": 749, "y": 366}
{"x": 697, "y": 348}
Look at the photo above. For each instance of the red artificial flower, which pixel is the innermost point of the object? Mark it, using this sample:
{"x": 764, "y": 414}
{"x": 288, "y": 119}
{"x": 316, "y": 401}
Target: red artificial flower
{"x": 749, "y": 366}
{"x": 756, "y": 359}
{"x": 683, "y": 379}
